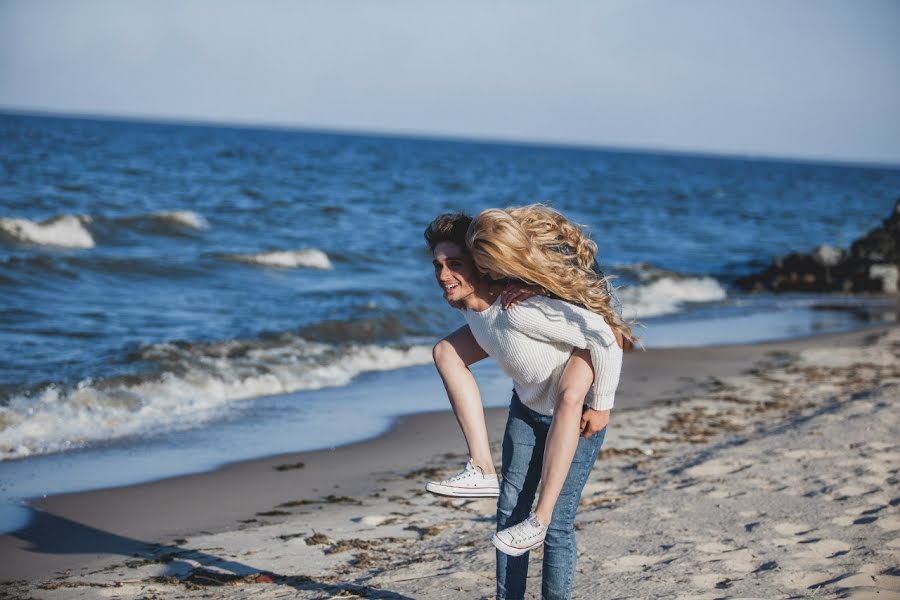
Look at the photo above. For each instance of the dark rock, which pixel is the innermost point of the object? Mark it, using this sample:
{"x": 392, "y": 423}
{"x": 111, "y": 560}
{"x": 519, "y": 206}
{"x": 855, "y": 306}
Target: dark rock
{"x": 872, "y": 264}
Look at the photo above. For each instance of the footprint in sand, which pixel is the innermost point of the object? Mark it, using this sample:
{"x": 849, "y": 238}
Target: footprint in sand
{"x": 718, "y": 467}
{"x": 868, "y": 582}
{"x": 808, "y": 454}
{"x": 713, "y": 548}
{"x": 813, "y": 548}
{"x": 632, "y": 562}
{"x": 788, "y": 528}
{"x": 741, "y": 560}
{"x": 853, "y": 490}
{"x": 806, "y": 579}
{"x": 728, "y": 559}
{"x": 890, "y": 523}
{"x": 705, "y": 581}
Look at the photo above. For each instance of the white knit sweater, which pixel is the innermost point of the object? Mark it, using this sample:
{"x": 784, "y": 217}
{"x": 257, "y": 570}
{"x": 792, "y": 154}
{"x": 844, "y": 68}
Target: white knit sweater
{"x": 533, "y": 340}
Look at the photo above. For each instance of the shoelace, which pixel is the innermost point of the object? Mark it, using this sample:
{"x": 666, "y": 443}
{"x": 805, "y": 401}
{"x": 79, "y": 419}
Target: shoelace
{"x": 523, "y": 526}
{"x": 467, "y": 472}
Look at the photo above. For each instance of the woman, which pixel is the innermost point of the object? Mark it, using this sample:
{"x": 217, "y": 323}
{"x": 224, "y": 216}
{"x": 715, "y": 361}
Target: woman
{"x": 553, "y": 351}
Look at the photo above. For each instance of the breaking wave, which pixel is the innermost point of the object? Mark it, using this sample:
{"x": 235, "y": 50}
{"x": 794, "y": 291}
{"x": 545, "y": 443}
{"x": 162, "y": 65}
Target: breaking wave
{"x": 662, "y": 292}
{"x": 310, "y": 258}
{"x": 180, "y": 218}
{"x": 72, "y": 231}
{"x": 196, "y": 384}
{"x": 64, "y": 231}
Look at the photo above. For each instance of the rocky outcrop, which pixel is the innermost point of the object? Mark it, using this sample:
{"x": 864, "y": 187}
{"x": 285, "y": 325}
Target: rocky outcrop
{"x": 872, "y": 264}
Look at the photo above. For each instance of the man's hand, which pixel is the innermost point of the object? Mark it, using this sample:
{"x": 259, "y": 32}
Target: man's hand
{"x": 514, "y": 293}
{"x": 593, "y": 421}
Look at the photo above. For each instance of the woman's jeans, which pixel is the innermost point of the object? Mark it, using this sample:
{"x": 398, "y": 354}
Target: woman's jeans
{"x": 523, "y": 457}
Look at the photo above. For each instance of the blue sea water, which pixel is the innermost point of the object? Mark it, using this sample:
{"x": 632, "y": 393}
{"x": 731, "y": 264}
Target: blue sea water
{"x": 159, "y": 278}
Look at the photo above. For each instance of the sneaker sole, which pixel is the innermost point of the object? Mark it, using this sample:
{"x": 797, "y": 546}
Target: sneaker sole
{"x": 443, "y": 490}
{"x": 512, "y": 550}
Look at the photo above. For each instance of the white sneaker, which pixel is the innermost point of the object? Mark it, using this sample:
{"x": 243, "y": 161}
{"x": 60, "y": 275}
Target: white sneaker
{"x": 519, "y": 539}
{"x": 473, "y": 482}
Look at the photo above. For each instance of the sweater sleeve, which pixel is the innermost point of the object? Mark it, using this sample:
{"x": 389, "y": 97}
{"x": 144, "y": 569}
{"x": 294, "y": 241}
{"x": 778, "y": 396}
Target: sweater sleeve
{"x": 556, "y": 321}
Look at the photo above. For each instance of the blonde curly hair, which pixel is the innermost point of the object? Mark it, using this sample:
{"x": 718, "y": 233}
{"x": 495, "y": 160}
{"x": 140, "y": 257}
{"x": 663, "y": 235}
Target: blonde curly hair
{"x": 539, "y": 246}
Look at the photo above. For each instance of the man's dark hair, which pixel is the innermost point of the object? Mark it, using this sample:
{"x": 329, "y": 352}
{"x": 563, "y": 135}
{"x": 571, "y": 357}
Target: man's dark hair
{"x": 449, "y": 227}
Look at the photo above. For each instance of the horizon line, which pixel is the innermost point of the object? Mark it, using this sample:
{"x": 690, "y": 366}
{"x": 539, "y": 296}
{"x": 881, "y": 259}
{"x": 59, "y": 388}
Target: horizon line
{"x": 412, "y": 134}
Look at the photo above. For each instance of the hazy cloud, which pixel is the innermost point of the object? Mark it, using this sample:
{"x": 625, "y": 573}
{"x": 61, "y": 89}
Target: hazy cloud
{"x": 802, "y": 78}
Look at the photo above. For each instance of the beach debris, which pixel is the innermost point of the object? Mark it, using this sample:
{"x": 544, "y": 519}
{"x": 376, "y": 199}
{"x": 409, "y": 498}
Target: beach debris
{"x": 610, "y": 452}
{"x": 295, "y": 503}
{"x": 350, "y": 593}
{"x": 332, "y": 499}
{"x": 273, "y": 513}
{"x": 871, "y": 264}
{"x": 426, "y": 473}
{"x": 289, "y": 466}
{"x": 424, "y": 532}
{"x": 205, "y": 577}
{"x": 317, "y": 539}
{"x": 347, "y": 545}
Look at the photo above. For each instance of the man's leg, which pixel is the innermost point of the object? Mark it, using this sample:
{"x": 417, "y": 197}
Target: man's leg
{"x": 523, "y": 450}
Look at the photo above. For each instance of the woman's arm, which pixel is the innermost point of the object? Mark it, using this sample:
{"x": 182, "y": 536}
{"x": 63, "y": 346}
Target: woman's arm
{"x": 556, "y": 321}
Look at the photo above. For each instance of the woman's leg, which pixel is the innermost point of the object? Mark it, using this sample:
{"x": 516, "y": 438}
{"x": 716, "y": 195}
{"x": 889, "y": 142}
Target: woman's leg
{"x": 560, "y": 549}
{"x": 523, "y": 448}
{"x": 452, "y": 357}
{"x": 562, "y": 440}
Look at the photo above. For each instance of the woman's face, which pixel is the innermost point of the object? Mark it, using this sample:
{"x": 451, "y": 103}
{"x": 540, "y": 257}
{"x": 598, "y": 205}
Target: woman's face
{"x": 487, "y": 272}
{"x": 454, "y": 271}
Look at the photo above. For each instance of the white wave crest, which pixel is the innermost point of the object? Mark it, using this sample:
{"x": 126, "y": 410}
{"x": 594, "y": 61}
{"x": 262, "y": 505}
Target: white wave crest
{"x": 183, "y": 218}
{"x": 667, "y": 295}
{"x": 311, "y": 258}
{"x": 208, "y": 379}
{"x": 65, "y": 231}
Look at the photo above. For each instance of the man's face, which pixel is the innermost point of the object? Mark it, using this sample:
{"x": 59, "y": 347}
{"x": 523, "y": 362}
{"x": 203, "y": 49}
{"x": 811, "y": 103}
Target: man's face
{"x": 454, "y": 271}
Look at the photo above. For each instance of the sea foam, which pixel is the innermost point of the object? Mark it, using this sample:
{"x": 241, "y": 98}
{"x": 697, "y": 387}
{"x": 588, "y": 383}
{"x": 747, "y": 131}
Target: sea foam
{"x": 65, "y": 231}
{"x": 661, "y": 292}
{"x": 182, "y": 218}
{"x": 198, "y": 383}
{"x": 310, "y": 258}
{"x": 667, "y": 296}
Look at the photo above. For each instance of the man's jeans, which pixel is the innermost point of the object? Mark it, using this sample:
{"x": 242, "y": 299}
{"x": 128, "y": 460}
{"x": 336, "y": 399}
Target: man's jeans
{"x": 523, "y": 456}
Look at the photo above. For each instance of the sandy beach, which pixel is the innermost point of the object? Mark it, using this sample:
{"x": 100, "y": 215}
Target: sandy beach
{"x": 757, "y": 471}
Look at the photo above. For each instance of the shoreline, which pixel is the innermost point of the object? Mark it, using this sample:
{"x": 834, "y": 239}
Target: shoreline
{"x": 208, "y": 501}
{"x": 81, "y": 531}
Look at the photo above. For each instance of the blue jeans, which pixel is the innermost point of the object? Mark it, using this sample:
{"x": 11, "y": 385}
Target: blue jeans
{"x": 523, "y": 457}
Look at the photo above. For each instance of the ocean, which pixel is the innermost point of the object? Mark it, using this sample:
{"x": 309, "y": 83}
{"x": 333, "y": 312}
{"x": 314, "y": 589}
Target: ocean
{"x": 157, "y": 279}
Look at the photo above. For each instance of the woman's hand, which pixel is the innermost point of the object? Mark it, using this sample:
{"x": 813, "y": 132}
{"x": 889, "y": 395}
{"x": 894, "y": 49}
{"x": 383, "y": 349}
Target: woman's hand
{"x": 593, "y": 421}
{"x": 514, "y": 293}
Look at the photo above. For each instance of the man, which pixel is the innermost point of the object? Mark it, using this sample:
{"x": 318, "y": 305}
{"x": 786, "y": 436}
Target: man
{"x": 567, "y": 375}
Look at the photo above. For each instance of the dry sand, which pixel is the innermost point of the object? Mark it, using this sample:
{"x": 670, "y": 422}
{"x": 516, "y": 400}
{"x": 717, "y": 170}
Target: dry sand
{"x": 765, "y": 471}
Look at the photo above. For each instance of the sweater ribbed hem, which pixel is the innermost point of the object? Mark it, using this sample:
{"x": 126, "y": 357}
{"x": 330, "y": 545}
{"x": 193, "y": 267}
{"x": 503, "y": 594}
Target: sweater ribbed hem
{"x": 604, "y": 402}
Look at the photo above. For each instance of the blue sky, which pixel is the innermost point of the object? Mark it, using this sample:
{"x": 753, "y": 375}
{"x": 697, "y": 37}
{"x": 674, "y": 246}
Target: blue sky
{"x": 800, "y": 78}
